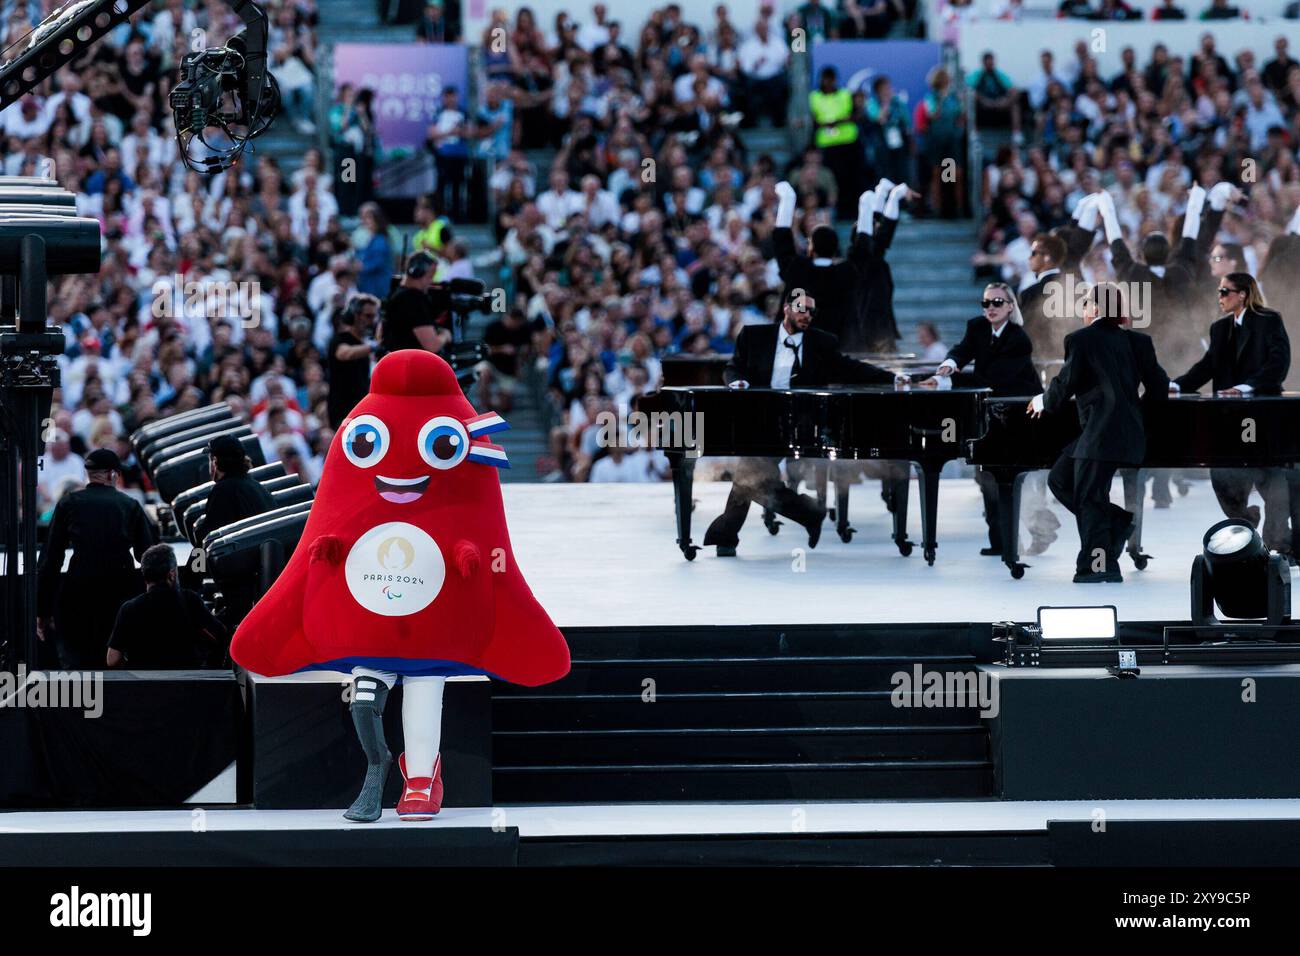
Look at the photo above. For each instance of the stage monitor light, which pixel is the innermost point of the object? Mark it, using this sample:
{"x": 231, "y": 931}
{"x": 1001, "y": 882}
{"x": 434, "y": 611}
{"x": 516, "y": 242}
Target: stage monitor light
{"x": 1078, "y": 625}
{"x": 1238, "y": 573}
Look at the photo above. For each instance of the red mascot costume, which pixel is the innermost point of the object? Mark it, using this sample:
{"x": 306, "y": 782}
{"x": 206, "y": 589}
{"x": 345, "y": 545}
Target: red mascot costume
{"x": 405, "y": 572}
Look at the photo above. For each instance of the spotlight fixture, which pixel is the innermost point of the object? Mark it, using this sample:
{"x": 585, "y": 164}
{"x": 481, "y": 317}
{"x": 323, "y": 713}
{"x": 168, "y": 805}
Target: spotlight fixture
{"x": 1242, "y": 577}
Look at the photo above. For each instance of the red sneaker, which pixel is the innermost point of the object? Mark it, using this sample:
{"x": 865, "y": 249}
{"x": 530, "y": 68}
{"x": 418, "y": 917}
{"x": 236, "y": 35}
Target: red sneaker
{"x": 421, "y": 796}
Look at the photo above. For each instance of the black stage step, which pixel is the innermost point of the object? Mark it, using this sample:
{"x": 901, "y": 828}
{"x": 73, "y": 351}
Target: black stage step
{"x": 642, "y": 783}
{"x": 742, "y": 713}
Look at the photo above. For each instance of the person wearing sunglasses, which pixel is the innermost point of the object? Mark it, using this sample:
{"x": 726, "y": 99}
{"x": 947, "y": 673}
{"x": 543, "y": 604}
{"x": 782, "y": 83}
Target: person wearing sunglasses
{"x": 1249, "y": 354}
{"x": 1105, "y": 364}
{"x": 794, "y": 353}
{"x": 1003, "y": 357}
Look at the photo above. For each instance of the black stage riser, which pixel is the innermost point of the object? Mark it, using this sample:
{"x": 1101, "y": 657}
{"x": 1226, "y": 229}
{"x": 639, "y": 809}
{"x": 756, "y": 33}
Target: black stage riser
{"x": 1174, "y": 732}
{"x": 160, "y": 738}
{"x": 693, "y": 784}
{"x": 541, "y": 748}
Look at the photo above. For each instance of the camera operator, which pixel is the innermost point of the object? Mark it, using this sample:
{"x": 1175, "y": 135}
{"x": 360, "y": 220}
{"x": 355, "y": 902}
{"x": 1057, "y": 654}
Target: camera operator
{"x": 412, "y": 317}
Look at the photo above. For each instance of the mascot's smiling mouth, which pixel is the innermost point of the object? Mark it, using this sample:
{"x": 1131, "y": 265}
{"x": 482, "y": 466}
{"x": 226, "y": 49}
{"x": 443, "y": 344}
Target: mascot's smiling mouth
{"x": 401, "y": 491}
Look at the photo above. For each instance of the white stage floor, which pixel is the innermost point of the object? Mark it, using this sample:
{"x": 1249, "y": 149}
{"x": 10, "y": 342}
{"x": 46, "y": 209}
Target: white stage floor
{"x": 606, "y": 555}
{"x": 678, "y": 818}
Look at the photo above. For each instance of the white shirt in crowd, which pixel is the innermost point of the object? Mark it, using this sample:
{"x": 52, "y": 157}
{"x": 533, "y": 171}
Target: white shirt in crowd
{"x": 761, "y": 60}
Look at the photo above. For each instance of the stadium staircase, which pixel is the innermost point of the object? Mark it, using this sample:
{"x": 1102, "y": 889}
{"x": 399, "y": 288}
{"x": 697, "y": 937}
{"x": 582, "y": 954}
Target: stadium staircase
{"x": 340, "y": 21}
{"x": 752, "y": 713}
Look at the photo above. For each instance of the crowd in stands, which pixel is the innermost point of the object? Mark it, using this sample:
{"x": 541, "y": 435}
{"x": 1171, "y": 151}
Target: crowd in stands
{"x": 650, "y": 233}
{"x": 1144, "y": 135}
{"x": 143, "y": 338}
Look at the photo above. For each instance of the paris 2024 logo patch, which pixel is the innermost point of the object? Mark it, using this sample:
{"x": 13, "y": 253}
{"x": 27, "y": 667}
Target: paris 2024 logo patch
{"x": 395, "y": 569}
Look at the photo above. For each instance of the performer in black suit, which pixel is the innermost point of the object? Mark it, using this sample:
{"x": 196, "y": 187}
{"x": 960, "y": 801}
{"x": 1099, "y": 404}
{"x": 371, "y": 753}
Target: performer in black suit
{"x": 822, "y": 276}
{"x": 1104, "y": 365}
{"x": 873, "y": 326}
{"x": 1003, "y": 357}
{"x": 790, "y": 354}
{"x": 1249, "y": 353}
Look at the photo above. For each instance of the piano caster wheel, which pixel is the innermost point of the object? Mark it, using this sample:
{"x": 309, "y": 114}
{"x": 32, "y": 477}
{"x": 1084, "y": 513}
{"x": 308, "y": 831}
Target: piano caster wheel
{"x": 904, "y": 548}
{"x": 929, "y": 556}
{"x": 773, "y": 526}
{"x": 1140, "y": 561}
{"x": 690, "y": 551}
{"x": 846, "y": 534}
{"x": 830, "y": 514}
{"x": 1017, "y": 570}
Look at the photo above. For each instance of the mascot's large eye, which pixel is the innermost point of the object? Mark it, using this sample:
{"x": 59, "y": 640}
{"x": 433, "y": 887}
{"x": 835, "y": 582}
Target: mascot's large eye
{"x": 365, "y": 441}
{"x": 444, "y": 443}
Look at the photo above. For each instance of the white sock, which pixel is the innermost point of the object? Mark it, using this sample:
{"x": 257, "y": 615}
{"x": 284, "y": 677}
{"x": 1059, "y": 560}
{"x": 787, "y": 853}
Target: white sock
{"x": 421, "y": 723}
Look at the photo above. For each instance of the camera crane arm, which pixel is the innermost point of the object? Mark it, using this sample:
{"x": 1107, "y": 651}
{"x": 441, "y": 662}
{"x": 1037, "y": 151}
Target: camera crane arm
{"x": 72, "y": 29}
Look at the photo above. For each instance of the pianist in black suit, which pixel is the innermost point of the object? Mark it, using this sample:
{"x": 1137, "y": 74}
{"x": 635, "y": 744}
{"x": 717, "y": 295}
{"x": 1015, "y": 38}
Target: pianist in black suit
{"x": 1003, "y": 355}
{"x": 1249, "y": 353}
{"x": 789, "y": 354}
{"x": 1104, "y": 365}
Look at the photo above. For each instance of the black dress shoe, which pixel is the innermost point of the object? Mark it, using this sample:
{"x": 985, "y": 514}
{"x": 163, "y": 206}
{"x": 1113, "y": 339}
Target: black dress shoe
{"x": 1098, "y": 577}
{"x": 726, "y": 552}
{"x": 991, "y": 552}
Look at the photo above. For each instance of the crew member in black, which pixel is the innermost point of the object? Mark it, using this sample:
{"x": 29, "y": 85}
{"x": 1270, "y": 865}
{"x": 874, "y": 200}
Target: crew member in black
{"x": 411, "y": 319}
{"x": 1249, "y": 354}
{"x": 104, "y": 527}
{"x": 790, "y": 354}
{"x": 349, "y": 355}
{"x": 1003, "y": 357}
{"x": 168, "y": 627}
{"x": 234, "y": 494}
{"x": 1104, "y": 365}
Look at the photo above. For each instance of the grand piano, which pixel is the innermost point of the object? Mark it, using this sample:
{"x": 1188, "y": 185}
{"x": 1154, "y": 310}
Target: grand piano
{"x": 1184, "y": 431}
{"x": 837, "y": 424}
{"x": 931, "y": 427}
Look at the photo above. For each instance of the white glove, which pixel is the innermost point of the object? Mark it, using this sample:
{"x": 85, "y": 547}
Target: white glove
{"x": 1085, "y": 212}
{"x": 895, "y": 198}
{"x": 784, "y": 204}
{"x": 1220, "y": 195}
{"x": 882, "y": 193}
{"x": 739, "y": 383}
{"x": 1293, "y": 227}
{"x": 1106, "y": 207}
{"x": 1192, "y": 217}
{"x": 867, "y": 212}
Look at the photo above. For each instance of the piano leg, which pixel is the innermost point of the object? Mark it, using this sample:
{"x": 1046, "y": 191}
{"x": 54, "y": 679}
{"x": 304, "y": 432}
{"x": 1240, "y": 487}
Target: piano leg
{"x": 683, "y": 471}
{"x": 1135, "y": 486}
{"x": 929, "y": 477}
{"x": 897, "y": 491}
{"x": 843, "y": 481}
{"x": 1009, "y": 519}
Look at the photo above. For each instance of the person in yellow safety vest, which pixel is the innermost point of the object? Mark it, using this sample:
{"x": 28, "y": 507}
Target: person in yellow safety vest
{"x": 832, "y": 111}
{"x": 836, "y": 135}
{"x": 435, "y": 232}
